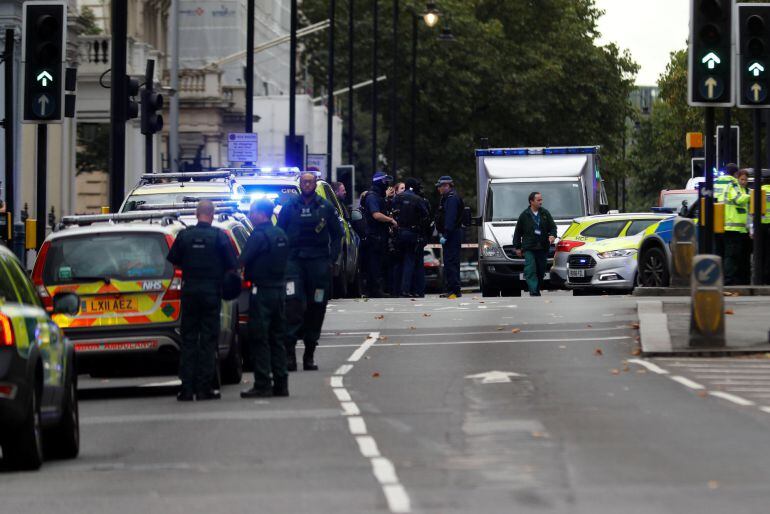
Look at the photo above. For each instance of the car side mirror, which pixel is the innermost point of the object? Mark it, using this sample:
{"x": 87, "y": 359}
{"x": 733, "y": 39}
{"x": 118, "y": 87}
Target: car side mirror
{"x": 355, "y": 215}
{"x": 66, "y": 303}
{"x": 476, "y": 222}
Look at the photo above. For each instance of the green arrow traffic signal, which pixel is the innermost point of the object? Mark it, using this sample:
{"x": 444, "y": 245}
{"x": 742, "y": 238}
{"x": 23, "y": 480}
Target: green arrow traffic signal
{"x": 43, "y": 44}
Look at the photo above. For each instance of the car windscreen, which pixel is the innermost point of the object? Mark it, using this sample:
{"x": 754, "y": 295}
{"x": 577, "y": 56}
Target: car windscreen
{"x": 507, "y": 200}
{"x": 675, "y": 200}
{"x": 134, "y": 201}
{"x": 121, "y": 256}
{"x": 278, "y": 193}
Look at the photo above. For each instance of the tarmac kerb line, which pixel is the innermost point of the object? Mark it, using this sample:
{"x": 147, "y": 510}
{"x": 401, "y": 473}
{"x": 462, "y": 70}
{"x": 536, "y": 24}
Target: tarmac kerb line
{"x": 382, "y": 468}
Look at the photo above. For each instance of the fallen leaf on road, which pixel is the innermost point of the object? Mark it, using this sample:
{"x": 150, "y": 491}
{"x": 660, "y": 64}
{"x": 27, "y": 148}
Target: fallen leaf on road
{"x": 515, "y": 330}
{"x": 413, "y": 300}
{"x": 731, "y": 293}
{"x": 426, "y": 315}
{"x": 383, "y": 338}
{"x": 713, "y": 484}
{"x": 589, "y": 326}
{"x": 412, "y": 328}
{"x": 548, "y": 301}
{"x": 376, "y": 374}
{"x": 615, "y": 372}
{"x": 539, "y": 435}
{"x": 641, "y": 371}
{"x": 336, "y": 333}
{"x": 379, "y": 317}
{"x": 500, "y": 328}
{"x": 702, "y": 394}
{"x": 598, "y": 352}
{"x": 635, "y": 325}
{"x": 626, "y": 368}
{"x": 636, "y": 352}
{"x": 729, "y": 312}
{"x": 482, "y": 302}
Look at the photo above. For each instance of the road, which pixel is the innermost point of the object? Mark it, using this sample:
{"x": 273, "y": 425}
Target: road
{"x": 405, "y": 416}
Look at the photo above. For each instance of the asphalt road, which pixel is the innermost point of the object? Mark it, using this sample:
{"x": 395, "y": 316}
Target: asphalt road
{"x": 405, "y": 416}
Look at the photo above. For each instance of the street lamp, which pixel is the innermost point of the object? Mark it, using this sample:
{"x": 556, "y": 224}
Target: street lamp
{"x": 431, "y": 15}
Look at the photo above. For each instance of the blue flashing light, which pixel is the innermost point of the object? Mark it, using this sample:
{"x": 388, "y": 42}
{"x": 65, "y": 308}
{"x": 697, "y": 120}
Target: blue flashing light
{"x": 570, "y": 150}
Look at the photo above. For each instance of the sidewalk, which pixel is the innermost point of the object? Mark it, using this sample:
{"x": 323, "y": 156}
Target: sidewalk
{"x": 664, "y": 325}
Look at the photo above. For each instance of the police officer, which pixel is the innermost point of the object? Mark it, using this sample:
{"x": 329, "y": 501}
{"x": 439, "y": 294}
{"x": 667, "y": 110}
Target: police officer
{"x": 736, "y": 239}
{"x": 378, "y": 224}
{"x": 449, "y": 226}
{"x": 765, "y": 228}
{"x": 264, "y": 261}
{"x": 315, "y": 234}
{"x": 205, "y": 254}
{"x": 409, "y": 211}
{"x": 720, "y": 186}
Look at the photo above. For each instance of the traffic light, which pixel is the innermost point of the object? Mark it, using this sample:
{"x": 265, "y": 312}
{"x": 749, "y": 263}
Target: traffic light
{"x": 754, "y": 51}
{"x": 132, "y": 91}
{"x": 710, "y": 54}
{"x": 43, "y": 44}
{"x": 152, "y": 104}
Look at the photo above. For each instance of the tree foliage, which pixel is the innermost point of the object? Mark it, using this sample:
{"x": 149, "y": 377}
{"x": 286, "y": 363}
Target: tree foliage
{"x": 519, "y": 73}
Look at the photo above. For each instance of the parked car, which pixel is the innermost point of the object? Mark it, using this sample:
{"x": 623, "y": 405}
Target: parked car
{"x": 469, "y": 275}
{"x": 38, "y": 381}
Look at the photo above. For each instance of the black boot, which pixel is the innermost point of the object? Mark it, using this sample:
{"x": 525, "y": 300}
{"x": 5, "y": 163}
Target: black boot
{"x": 308, "y": 364}
{"x": 281, "y": 386}
{"x": 257, "y": 392}
{"x": 291, "y": 360}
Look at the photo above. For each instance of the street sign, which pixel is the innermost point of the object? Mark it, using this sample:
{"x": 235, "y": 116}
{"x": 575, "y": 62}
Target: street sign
{"x": 753, "y": 46}
{"x": 710, "y": 62}
{"x": 43, "y": 43}
{"x": 316, "y": 162}
{"x": 242, "y": 147}
{"x": 707, "y": 272}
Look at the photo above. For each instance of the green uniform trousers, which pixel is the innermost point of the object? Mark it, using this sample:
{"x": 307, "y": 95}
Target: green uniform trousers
{"x": 534, "y": 269}
{"x": 267, "y": 331}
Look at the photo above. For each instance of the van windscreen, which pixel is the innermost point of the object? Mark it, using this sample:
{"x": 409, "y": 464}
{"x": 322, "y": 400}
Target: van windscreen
{"x": 507, "y": 200}
{"x": 121, "y": 256}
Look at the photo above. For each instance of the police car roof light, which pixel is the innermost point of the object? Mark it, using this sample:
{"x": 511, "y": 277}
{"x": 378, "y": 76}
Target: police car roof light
{"x": 566, "y": 150}
{"x": 184, "y": 205}
{"x": 88, "y": 219}
{"x": 180, "y": 177}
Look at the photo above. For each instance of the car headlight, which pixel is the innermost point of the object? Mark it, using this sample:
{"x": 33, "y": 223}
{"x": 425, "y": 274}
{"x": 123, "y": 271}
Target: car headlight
{"x": 491, "y": 249}
{"x": 617, "y": 253}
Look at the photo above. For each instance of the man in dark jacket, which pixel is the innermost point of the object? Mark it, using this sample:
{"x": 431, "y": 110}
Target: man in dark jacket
{"x": 410, "y": 211}
{"x": 449, "y": 226}
{"x": 378, "y": 224}
{"x": 535, "y": 233}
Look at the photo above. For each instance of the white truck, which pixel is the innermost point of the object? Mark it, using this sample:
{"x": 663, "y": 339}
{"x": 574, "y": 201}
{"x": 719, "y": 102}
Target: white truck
{"x": 571, "y": 185}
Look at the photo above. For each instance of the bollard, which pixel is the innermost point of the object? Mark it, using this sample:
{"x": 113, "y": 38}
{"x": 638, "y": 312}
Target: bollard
{"x": 30, "y": 242}
{"x": 105, "y": 209}
{"x": 19, "y": 240}
{"x": 707, "y": 314}
{"x": 684, "y": 243}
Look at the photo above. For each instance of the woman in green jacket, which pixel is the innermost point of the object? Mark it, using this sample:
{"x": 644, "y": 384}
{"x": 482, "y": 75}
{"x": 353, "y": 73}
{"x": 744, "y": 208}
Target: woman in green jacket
{"x": 534, "y": 235}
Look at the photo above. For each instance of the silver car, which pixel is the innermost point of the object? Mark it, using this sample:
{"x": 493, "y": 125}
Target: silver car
{"x": 604, "y": 265}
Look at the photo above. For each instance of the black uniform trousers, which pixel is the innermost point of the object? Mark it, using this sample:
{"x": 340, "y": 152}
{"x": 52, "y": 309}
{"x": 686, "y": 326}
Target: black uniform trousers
{"x": 766, "y": 253}
{"x": 267, "y": 332}
{"x": 307, "y": 293}
{"x": 452, "y": 260}
{"x": 737, "y": 263}
{"x": 201, "y": 308}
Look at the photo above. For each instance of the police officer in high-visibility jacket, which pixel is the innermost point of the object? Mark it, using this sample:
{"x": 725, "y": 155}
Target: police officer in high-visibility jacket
{"x": 765, "y": 228}
{"x": 721, "y": 184}
{"x": 205, "y": 254}
{"x": 315, "y": 234}
{"x": 737, "y": 242}
{"x": 264, "y": 263}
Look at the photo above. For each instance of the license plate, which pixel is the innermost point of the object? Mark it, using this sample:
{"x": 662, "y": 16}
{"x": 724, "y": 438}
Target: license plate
{"x": 577, "y": 273}
{"x": 109, "y": 304}
{"x": 547, "y": 276}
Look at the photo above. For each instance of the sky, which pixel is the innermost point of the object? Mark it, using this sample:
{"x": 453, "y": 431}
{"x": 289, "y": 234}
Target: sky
{"x": 649, "y": 29}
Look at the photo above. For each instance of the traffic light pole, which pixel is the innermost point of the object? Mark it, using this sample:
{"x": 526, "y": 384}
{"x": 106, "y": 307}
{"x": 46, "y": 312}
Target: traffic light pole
{"x": 756, "y": 278}
{"x": 707, "y": 241}
{"x": 42, "y": 161}
{"x": 118, "y": 103}
{"x": 9, "y": 123}
{"x": 148, "y": 150}
{"x": 249, "y": 128}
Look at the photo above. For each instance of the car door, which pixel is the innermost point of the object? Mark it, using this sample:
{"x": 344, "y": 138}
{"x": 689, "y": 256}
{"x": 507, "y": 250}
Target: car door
{"x": 347, "y": 246}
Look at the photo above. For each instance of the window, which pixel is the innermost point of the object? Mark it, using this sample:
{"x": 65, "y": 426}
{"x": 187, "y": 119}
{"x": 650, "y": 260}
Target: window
{"x": 507, "y": 200}
{"x": 7, "y": 289}
{"x": 639, "y": 225}
{"x": 605, "y": 229}
{"x": 331, "y": 197}
{"x": 23, "y": 285}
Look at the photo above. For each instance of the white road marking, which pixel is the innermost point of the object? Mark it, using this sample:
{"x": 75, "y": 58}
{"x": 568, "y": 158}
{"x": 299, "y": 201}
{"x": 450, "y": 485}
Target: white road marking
{"x": 765, "y": 409}
{"x": 216, "y": 416}
{"x": 342, "y": 394}
{"x": 523, "y": 331}
{"x": 356, "y": 356}
{"x": 650, "y": 366}
{"x": 687, "y": 382}
{"x": 382, "y": 468}
{"x": 749, "y": 389}
{"x": 167, "y": 383}
{"x": 342, "y": 370}
{"x": 350, "y": 409}
{"x": 357, "y": 426}
{"x": 732, "y": 398}
{"x": 500, "y": 341}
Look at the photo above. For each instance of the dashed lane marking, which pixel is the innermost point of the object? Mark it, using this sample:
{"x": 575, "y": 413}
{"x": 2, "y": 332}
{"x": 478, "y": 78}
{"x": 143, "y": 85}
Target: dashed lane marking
{"x": 650, "y": 366}
{"x": 732, "y": 398}
{"x": 687, "y": 382}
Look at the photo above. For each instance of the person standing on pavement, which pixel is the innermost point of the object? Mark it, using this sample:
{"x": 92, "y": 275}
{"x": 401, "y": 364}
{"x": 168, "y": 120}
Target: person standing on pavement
{"x": 339, "y": 191}
{"x": 264, "y": 262}
{"x": 765, "y": 228}
{"x": 204, "y": 254}
{"x": 736, "y": 238}
{"x": 409, "y": 210}
{"x": 315, "y": 236}
{"x": 378, "y": 224}
{"x": 535, "y": 233}
{"x": 721, "y": 184}
{"x": 449, "y": 226}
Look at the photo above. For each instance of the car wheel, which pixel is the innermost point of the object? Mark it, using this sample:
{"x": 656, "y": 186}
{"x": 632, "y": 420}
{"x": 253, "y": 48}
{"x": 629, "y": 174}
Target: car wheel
{"x": 24, "y": 449}
{"x": 232, "y": 366}
{"x": 653, "y": 269}
{"x": 63, "y": 440}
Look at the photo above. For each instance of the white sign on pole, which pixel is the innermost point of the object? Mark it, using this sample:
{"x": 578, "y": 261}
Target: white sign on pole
{"x": 316, "y": 162}
{"x": 242, "y": 147}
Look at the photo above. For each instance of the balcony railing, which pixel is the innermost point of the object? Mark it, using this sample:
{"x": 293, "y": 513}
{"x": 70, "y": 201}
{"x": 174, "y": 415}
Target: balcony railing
{"x": 95, "y": 56}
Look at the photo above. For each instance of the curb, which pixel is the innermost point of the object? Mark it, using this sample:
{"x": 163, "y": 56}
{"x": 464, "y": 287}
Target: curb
{"x": 685, "y": 291}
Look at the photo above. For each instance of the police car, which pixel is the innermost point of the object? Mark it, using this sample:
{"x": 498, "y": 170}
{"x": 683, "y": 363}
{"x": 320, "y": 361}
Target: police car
{"x": 130, "y": 295}
{"x": 38, "y": 382}
{"x": 178, "y": 188}
{"x": 281, "y": 184}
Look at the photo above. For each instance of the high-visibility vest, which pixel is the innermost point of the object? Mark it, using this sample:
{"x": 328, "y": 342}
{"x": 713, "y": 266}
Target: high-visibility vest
{"x": 720, "y": 186}
{"x": 736, "y": 199}
{"x": 766, "y": 216}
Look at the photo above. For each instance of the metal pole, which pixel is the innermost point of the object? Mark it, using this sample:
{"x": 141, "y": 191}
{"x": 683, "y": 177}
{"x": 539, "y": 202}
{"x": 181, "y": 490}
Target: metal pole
{"x": 413, "y": 113}
{"x": 42, "y": 159}
{"x": 375, "y": 30}
{"x": 330, "y": 94}
{"x": 249, "y": 66}
{"x": 351, "y": 35}
{"x": 291, "y": 160}
{"x": 708, "y": 191}
{"x": 727, "y": 147}
{"x": 148, "y": 85}
{"x": 393, "y": 89}
{"x": 757, "y": 270}
{"x": 9, "y": 122}
{"x": 173, "y": 109}
{"x": 118, "y": 104}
